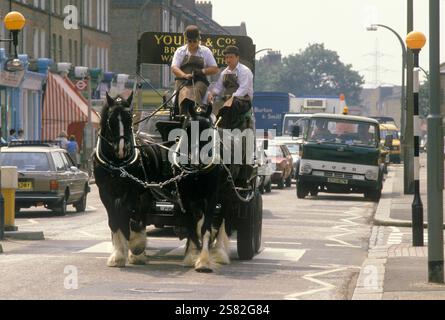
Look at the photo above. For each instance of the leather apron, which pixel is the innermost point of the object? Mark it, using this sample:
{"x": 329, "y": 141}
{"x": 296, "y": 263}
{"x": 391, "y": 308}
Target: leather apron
{"x": 236, "y": 111}
{"x": 189, "y": 65}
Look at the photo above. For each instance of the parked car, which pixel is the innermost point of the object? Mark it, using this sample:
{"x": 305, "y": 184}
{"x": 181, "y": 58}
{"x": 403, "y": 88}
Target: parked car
{"x": 293, "y": 145}
{"x": 47, "y": 176}
{"x": 395, "y": 149}
{"x": 265, "y": 170}
{"x": 282, "y": 160}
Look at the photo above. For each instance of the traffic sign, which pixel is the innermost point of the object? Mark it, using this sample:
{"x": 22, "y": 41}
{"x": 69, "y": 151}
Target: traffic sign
{"x": 81, "y": 85}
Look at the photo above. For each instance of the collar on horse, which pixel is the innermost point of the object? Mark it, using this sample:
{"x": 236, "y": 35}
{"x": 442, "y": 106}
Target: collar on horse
{"x": 109, "y": 164}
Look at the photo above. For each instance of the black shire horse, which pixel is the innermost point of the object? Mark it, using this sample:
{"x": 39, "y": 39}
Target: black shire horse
{"x": 124, "y": 198}
{"x": 207, "y": 241}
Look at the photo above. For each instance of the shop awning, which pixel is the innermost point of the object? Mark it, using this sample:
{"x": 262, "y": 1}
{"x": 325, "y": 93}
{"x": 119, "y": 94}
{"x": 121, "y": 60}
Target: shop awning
{"x": 63, "y": 105}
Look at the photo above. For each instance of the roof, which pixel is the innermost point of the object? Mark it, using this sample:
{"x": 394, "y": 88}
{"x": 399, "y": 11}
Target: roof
{"x": 344, "y": 117}
{"x": 31, "y": 149}
{"x": 388, "y": 126}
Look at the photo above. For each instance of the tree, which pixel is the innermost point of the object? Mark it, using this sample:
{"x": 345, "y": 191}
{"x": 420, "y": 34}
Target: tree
{"x": 313, "y": 71}
{"x": 318, "y": 71}
{"x": 424, "y": 100}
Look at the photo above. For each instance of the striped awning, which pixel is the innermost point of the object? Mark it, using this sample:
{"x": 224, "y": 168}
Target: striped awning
{"x": 63, "y": 105}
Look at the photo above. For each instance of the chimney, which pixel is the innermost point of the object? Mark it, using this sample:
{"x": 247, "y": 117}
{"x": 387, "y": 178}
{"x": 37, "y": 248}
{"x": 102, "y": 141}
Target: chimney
{"x": 205, "y": 7}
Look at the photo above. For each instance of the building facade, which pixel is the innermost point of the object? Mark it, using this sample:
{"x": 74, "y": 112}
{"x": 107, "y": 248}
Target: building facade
{"x": 131, "y": 18}
{"x": 74, "y": 31}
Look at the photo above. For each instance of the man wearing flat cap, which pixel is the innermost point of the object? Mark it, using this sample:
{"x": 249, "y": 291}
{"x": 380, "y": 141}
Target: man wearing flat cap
{"x": 193, "y": 62}
{"x": 235, "y": 85}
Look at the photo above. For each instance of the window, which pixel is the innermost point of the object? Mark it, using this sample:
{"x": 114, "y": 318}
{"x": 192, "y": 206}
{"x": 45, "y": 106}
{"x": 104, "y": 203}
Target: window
{"x": 58, "y": 161}
{"x": 42, "y": 43}
{"x": 70, "y": 50}
{"x": 76, "y": 59}
{"x": 54, "y": 47}
{"x": 60, "y": 49}
{"x": 36, "y": 44}
{"x": 25, "y": 161}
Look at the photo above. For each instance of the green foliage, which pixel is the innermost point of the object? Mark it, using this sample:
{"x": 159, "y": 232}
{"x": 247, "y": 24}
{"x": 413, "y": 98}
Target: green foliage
{"x": 313, "y": 71}
{"x": 424, "y": 99}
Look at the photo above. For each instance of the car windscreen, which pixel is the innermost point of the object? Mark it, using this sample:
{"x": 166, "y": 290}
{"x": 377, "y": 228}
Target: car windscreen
{"x": 385, "y": 133}
{"x": 339, "y": 131}
{"x": 274, "y": 151}
{"x": 25, "y": 161}
{"x": 289, "y": 123}
{"x": 293, "y": 148}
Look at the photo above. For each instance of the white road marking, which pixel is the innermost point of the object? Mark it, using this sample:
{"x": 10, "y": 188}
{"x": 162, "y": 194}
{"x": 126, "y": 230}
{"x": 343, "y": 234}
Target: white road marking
{"x": 280, "y": 254}
{"x": 326, "y": 286}
{"x": 179, "y": 251}
{"x": 285, "y": 243}
{"x": 345, "y": 227}
{"x": 103, "y": 247}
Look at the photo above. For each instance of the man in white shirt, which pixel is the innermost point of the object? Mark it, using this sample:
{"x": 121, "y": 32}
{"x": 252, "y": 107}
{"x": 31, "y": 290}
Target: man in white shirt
{"x": 193, "y": 62}
{"x": 235, "y": 85}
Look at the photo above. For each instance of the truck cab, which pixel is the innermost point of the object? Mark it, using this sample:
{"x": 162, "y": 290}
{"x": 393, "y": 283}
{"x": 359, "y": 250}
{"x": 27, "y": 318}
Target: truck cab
{"x": 340, "y": 154}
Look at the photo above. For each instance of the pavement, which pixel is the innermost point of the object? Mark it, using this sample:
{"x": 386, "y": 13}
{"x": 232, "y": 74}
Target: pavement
{"x": 394, "y": 269}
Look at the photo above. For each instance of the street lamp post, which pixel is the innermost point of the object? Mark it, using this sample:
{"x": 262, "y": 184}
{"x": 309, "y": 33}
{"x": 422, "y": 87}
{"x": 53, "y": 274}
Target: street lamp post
{"x": 435, "y": 155}
{"x": 406, "y": 159}
{"x": 415, "y": 41}
{"x": 14, "y": 22}
{"x": 265, "y": 49}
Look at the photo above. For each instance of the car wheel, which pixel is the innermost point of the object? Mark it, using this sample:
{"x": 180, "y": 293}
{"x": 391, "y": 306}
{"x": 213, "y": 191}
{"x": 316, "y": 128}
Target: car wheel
{"x": 301, "y": 190}
{"x": 289, "y": 181}
{"x": 268, "y": 187}
{"x": 281, "y": 183}
{"x": 81, "y": 205}
{"x": 261, "y": 187}
{"x": 61, "y": 209}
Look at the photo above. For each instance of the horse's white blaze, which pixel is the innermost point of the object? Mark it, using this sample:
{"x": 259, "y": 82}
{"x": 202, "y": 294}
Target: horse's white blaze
{"x": 121, "y": 140}
{"x": 203, "y": 261}
{"x": 118, "y": 257}
{"x": 191, "y": 254}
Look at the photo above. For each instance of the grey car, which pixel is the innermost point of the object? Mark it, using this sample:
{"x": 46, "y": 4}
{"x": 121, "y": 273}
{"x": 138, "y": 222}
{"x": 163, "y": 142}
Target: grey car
{"x": 47, "y": 176}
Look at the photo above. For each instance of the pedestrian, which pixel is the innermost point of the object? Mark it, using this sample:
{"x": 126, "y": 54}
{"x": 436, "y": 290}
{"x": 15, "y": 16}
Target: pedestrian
{"x": 2, "y": 140}
{"x": 235, "y": 85}
{"x": 193, "y": 62}
{"x": 20, "y": 135}
{"x": 62, "y": 139}
{"x": 12, "y": 136}
{"x": 73, "y": 149}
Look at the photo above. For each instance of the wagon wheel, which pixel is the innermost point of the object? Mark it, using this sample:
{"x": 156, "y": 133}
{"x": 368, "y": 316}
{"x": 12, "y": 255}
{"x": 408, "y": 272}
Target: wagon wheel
{"x": 245, "y": 231}
{"x": 258, "y": 221}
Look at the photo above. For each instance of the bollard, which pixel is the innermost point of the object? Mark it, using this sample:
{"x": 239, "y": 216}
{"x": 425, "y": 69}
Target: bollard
{"x": 9, "y": 179}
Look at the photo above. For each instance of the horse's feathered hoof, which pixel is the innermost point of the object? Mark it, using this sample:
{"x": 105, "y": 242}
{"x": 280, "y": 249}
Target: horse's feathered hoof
{"x": 138, "y": 260}
{"x": 115, "y": 262}
{"x": 203, "y": 269}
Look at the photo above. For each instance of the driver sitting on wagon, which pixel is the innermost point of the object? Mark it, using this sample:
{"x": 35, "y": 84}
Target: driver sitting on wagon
{"x": 193, "y": 61}
{"x": 235, "y": 84}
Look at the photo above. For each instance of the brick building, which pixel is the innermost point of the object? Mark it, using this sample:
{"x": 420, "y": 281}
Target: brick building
{"x": 130, "y": 18}
{"x": 51, "y": 30}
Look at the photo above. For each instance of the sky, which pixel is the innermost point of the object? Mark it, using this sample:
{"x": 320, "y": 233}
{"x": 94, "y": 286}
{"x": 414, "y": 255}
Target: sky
{"x": 291, "y": 25}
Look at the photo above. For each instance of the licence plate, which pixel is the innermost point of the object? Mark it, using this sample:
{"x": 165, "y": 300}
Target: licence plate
{"x": 25, "y": 185}
{"x": 338, "y": 181}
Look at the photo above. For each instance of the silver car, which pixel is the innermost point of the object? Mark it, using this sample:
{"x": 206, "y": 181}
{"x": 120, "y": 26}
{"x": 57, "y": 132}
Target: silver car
{"x": 47, "y": 176}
